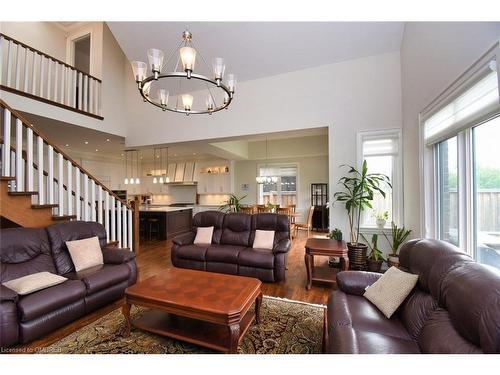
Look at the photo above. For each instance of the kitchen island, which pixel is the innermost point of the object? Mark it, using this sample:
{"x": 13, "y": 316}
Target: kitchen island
{"x": 168, "y": 221}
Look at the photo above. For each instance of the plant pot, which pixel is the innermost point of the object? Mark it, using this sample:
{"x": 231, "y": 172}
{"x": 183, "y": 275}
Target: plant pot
{"x": 381, "y": 223}
{"x": 393, "y": 261}
{"x": 374, "y": 265}
{"x": 357, "y": 256}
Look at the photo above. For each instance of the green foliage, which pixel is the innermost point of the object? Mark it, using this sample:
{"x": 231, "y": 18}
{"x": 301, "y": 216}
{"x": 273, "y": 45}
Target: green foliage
{"x": 359, "y": 188}
{"x": 232, "y": 204}
{"x": 487, "y": 178}
{"x": 399, "y": 235}
{"x": 375, "y": 253}
{"x": 335, "y": 234}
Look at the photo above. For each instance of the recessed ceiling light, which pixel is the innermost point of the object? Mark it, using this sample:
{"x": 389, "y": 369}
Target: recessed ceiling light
{"x": 107, "y": 139}
{"x": 175, "y": 154}
{"x": 194, "y": 153}
{"x": 121, "y": 154}
{"x": 86, "y": 142}
{"x": 96, "y": 150}
{"x": 67, "y": 145}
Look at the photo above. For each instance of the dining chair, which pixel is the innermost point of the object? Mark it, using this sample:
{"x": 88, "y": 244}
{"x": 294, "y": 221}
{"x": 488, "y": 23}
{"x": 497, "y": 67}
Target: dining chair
{"x": 247, "y": 210}
{"x": 264, "y": 210}
{"x": 307, "y": 225}
{"x": 288, "y": 212}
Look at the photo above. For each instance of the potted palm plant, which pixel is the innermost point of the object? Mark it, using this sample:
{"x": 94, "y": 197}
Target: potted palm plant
{"x": 358, "y": 191}
{"x": 399, "y": 236}
{"x": 375, "y": 259}
{"x": 232, "y": 204}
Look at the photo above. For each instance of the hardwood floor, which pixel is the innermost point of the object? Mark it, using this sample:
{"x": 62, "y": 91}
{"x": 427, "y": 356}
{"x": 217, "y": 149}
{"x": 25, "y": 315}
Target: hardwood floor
{"x": 155, "y": 257}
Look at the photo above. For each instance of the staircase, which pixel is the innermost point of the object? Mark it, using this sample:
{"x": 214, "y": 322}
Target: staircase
{"x": 40, "y": 184}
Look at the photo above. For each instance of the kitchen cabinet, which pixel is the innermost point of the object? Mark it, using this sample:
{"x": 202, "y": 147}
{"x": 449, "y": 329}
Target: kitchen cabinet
{"x": 214, "y": 183}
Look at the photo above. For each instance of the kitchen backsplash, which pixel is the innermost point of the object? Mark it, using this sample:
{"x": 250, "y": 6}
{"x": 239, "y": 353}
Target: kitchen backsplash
{"x": 212, "y": 199}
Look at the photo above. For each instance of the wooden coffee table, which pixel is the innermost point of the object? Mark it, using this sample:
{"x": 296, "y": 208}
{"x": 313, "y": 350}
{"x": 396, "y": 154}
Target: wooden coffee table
{"x": 204, "y": 308}
{"x": 324, "y": 247}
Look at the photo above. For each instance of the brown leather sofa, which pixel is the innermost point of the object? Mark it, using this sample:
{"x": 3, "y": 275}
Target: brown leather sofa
{"x": 454, "y": 308}
{"x": 24, "y": 251}
{"x": 231, "y": 249}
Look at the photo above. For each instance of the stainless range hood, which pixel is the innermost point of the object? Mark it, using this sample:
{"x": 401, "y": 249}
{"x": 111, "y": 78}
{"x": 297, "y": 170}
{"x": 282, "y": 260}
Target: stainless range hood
{"x": 181, "y": 183}
{"x": 181, "y": 174}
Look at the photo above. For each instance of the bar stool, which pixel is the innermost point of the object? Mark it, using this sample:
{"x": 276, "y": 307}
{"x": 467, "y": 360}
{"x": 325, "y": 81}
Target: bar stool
{"x": 142, "y": 228}
{"x": 154, "y": 227}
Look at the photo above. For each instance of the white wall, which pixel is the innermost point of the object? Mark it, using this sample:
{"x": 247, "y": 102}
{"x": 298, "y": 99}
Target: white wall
{"x": 44, "y": 36}
{"x": 433, "y": 55}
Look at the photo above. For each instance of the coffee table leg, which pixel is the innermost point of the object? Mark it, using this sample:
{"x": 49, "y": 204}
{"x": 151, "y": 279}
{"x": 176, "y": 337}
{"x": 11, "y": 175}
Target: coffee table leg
{"x": 258, "y": 304}
{"x": 126, "y": 314}
{"x": 234, "y": 331}
{"x": 308, "y": 259}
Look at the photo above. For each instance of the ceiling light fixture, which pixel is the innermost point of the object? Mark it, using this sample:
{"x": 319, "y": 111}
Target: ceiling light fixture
{"x": 266, "y": 178}
{"x": 218, "y": 94}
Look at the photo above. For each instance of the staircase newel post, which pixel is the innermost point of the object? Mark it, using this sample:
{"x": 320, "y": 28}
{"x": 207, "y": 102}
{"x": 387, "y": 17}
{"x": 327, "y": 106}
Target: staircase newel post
{"x": 135, "y": 204}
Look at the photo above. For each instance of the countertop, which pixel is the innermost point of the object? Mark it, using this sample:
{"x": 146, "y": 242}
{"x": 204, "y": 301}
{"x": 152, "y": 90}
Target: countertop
{"x": 163, "y": 209}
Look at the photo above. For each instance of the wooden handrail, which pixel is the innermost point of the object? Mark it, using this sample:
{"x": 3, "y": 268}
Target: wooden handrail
{"x": 60, "y": 151}
{"x": 47, "y": 56}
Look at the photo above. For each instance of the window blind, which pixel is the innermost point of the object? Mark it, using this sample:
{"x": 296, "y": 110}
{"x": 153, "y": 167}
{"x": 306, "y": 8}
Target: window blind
{"x": 477, "y": 103}
{"x": 377, "y": 147}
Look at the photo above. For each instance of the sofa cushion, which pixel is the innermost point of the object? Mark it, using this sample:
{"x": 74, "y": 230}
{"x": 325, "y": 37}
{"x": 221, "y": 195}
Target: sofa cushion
{"x": 24, "y": 251}
{"x": 471, "y": 295}
{"x": 85, "y": 253}
{"x": 416, "y": 310}
{"x": 236, "y": 229}
{"x": 256, "y": 258}
{"x": 389, "y": 292}
{"x": 32, "y": 283}
{"x": 70, "y": 231}
{"x": 358, "y": 313}
{"x": 439, "y": 336}
{"x": 210, "y": 219}
{"x": 47, "y": 300}
{"x": 224, "y": 253}
{"x": 101, "y": 277}
{"x": 192, "y": 252}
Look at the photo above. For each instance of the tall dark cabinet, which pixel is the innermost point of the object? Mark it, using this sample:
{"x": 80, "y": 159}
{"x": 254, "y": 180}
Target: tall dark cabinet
{"x": 319, "y": 199}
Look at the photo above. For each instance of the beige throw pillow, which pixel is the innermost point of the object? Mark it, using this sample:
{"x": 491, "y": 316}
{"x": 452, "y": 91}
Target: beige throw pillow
{"x": 264, "y": 239}
{"x": 389, "y": 292}
{"x": 85, "y": 253}
{"x": 34, "y": 282}
{"x": 204, "y": 235}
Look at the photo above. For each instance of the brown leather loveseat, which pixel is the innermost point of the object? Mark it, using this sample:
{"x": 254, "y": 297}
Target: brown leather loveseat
{"x": 231, "y": 249}
{"x": 25, "y": 251}
{"x": 455, "y": 307}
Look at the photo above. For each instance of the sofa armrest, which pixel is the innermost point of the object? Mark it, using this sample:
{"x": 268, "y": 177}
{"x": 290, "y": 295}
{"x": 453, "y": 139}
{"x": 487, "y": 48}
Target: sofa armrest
{"x": 7, "y": 294}
{"x": 113, "y": 255}
{"x": 355, "y": 282}
{"x": 184, "y": 239}
{"x": 282, "y": 246}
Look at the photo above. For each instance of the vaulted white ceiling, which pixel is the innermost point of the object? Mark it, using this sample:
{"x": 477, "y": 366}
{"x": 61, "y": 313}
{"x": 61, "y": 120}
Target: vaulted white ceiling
{"x": 260, "y": 49}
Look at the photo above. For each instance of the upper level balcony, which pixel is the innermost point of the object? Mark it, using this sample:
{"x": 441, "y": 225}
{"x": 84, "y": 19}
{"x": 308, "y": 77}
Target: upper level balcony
{"x": 34, "y": 74}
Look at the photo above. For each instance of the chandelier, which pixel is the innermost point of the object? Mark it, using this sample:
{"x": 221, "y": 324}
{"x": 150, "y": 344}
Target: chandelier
{"x": 216, "y": 90}
{"x": 266, "y": 178}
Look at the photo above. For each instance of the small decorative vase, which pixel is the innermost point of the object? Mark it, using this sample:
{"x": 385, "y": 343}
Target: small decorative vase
{"x": 381, "y": 223}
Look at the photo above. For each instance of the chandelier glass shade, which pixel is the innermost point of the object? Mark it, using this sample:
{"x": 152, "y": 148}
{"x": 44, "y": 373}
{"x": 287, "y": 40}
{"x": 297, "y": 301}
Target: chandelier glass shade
{"x": 184, "y": 82}
{"x": 160, "y": 176}
{"x": 266, "y": 178}
{"x": 129, "y": 175}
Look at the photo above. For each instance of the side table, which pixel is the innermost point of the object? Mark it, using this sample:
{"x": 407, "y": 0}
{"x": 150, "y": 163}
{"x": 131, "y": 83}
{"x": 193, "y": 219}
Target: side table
{"x": 328, "y": 248}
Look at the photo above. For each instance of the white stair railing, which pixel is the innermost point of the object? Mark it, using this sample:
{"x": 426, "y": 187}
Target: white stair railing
{"x": 37, "y": 75}
{"x": 77, "y": 198}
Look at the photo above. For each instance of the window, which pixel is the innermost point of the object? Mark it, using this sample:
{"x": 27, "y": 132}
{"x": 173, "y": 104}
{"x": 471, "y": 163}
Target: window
{"x": 380, "y": 149}
{"x": 487, "y": 192}
{"x": 461, "y": 163}
{"x": 447, "y": 169}
{"x": 282, "y": 192}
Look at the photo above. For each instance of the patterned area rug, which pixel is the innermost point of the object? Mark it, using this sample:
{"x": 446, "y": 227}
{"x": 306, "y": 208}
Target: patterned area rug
{"x": 286, "y": 327}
